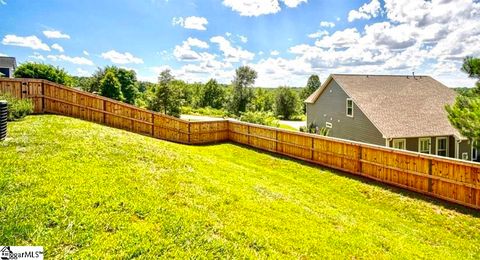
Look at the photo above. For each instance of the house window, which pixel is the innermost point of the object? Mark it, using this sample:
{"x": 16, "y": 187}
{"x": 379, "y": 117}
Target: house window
{"x": 424, "y": 145}
{"x": 349, "y": 107}
{"x": 442, "y": 146}
{"x": 400, "y": 144}
{"x": 328, "y": 125}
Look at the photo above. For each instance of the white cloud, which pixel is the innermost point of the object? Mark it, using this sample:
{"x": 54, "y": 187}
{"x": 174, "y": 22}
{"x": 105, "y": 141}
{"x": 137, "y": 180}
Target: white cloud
{"x": 274, "y": 53}
{"x": 259, "y": 7}
{"x": 184, "y": 52}
{"x": 366, "y": 11}
{"x": 230, "y": 53}
{"x": 121, "y": 58}
{"x": 53, "y": 34}
{"x": 32, "y": 42}
{"x": 57, "y": 47}
{"x": 327, "y": 24}
{"x": 74, "y": 60}
{"x": 3, "y": 55}
{"x": 37, "y": 56}
{"x": 86, "y": 53}
{"x": 3, "y": 2}
{"x": 242, "y": 38}
{"x": 83, "y": 73}
{"x": 191, "y": 22}
{"x": 340, "y": 39}
{"x": 318, "y": 34}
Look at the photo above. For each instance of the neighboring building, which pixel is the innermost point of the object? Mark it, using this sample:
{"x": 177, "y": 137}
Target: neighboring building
{"x": 7, "y": 66}
{"x": 404, "y": 112}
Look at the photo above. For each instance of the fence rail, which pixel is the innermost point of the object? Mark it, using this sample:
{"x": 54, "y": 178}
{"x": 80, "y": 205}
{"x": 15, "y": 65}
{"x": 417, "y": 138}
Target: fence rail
{"x": 449, "y": 179}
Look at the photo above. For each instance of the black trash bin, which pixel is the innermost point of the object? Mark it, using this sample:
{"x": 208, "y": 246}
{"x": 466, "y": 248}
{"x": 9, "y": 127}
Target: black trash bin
{"x": 3, "y": 119}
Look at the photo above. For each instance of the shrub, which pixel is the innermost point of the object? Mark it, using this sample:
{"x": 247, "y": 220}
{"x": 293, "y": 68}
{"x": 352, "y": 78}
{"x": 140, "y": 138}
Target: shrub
{"x": 205, "y": 111}
{"x": 17, "y": 108}
{"x": 43, "y": 71}
{"x": 262, "y": 118}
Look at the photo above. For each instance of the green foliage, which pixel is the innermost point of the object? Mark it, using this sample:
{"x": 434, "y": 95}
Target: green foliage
{"x": 263, "y": 100}
{"x": 286, "y": 103}
{"x": 205, "y": 111}
{"x": 313, "y": 84}
{"x": 167, "y": 96}
{"x": 242, "y": 93}
{"x": 86, "y": 191}
{"x": 213, "y": 95}
{"x": 35, "y": 70}
{"x": 126, "y": 78}
{"x": 314, "y": 129}
{"x": 259, "y": 117}
{"x": 17, "y": 108}
{"x": 110, "y": 86}
{"x": 464, "y": 114}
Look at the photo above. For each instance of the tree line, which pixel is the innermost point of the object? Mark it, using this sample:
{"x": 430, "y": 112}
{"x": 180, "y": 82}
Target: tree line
{"x": 173, "y": 96}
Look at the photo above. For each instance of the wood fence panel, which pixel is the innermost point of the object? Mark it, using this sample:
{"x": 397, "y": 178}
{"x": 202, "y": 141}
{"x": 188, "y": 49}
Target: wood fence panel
{"x": 171, "y": 129}
{"x": 35, "y": 93}
{"x": 296, "y": 145}
{"x": 13, "y": 88}
{"x": 238, "y": 132}
{"x": 208, "y": 132}
{"x": 263, "y": 138}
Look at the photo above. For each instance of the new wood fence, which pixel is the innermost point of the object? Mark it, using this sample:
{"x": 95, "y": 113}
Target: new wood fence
{"x": 449, "y": 179}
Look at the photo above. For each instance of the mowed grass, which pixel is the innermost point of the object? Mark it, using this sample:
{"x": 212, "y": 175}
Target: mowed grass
{"x": 83, "y": 190}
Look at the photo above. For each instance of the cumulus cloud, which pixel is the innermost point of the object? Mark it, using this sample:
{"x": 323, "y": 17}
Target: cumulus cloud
{"x": 57, "y": 47}
{"x": 37, "y": 56}
{"x": 54, "y": 34}
{"x": 259, "y": 7}
{"x": 318, "y": 34}
{"x": 191, "y": 22}
{"x": 366, "y": 11}
{"x": 121, "y": 58}
{"x": 231, "y": 53}
{"x": 274, "y": 53}
{"x": 32, "y": 42}
{"x": 327, "y": 24}
{"x": 74, "y": 60}
{"x": 86, "y": 53}
{"x": 185, "y": 52}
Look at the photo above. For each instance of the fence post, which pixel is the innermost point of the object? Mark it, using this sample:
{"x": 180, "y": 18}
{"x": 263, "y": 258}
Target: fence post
{"x": 430, "y": 180}
{"x": 43, "y": 97}
{"x": 359, "y": 158}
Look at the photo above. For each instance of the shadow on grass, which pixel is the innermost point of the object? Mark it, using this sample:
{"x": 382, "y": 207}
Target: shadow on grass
{"x": 364, "y": 179}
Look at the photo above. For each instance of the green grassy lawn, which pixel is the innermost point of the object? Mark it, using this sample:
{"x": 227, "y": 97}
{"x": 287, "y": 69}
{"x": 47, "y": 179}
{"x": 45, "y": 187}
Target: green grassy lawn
{"x": 287, "y": 127}
{"x": 83, "y": 190}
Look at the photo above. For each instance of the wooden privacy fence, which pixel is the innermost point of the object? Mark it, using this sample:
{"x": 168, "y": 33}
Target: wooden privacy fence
{"x": 449, "y": 179}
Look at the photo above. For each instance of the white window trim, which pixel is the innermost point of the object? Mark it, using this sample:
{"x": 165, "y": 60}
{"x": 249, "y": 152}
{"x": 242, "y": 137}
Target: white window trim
{"x": 446, "y": 143}
{"x": 429, "y": 144}
{"x": 346, "y": 107}
{"x": 396, "y": 141}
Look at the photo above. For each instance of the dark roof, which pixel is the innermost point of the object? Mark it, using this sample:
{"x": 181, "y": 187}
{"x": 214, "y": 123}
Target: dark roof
{"x": 8, "y": 62}
{"x": 399, "y": 106}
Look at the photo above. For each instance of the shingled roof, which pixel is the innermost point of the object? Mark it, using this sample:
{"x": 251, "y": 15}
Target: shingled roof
{"x": 399, "y": 106}
{"x": 8, "y": 62}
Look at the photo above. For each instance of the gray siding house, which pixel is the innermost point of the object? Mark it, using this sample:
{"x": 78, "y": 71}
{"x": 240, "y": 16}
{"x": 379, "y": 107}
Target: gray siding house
{"x": 403, "y": 112}
{"x": 7, "y": 66}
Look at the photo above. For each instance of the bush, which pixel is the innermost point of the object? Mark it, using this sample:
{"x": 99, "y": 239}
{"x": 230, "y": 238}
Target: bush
{"x": 17, "y": 108}
{"x": 262, "y": 118}
{"x": 205, "y": 111}
{"x": 43, "y": 71}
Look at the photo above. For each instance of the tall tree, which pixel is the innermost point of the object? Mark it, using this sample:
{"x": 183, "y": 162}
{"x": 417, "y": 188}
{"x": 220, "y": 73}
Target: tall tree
{"x": 313, "y": 84}
{"x": 167, "y": 97}
{"x": 242, "y": 93}
{"x": 212, "y": 95}
{"x": 110, "y": 87}
{"x": 35, "y": 70}
{"x": 286, "y": 102}
{"x": 464, "y": 114}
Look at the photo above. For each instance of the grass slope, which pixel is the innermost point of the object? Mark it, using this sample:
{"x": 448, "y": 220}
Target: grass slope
{"x": 87, "y": 191}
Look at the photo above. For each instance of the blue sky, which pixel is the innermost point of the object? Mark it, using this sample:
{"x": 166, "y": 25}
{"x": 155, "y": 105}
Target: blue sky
{"x": 284, "y": 40}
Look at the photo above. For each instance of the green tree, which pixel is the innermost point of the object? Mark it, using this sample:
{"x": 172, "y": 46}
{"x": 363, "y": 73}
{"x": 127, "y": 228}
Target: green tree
{"x": 286, "y": 102}
{"x": 35, "y": 70}
{"x": 212, "y": 95}
{"x": 110, "y": 86}
{"x": 128, "y": 83}
{"x": 263, "y": 100}
{"x": 313, "y": 84}
{"x": 242, "y": 93}
{"x": 167, "y": 96}
{"x": 464, "y": 114}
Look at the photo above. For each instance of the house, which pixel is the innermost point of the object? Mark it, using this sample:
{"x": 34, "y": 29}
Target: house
{"x": 7, "y": 66}
{"x": 404, "y": 112}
